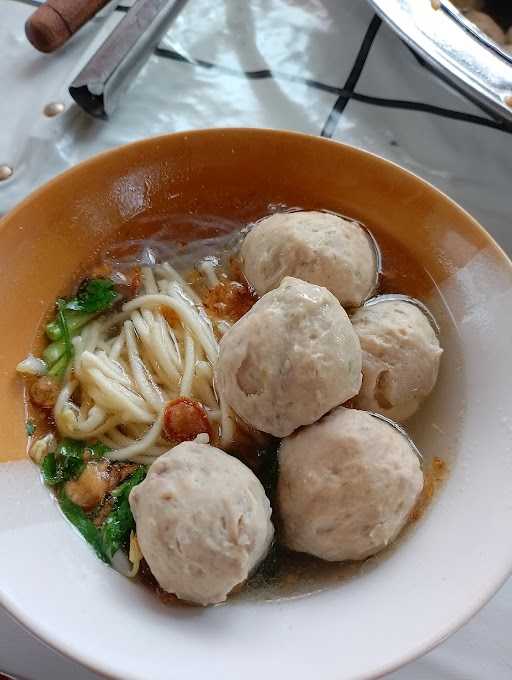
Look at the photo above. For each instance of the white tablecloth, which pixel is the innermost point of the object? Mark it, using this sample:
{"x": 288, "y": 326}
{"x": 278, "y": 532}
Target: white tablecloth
{"x": 316, "y": 66}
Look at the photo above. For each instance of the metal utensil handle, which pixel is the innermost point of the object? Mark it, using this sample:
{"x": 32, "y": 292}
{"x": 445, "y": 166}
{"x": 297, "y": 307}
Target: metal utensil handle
{"x": 100, "y": 85}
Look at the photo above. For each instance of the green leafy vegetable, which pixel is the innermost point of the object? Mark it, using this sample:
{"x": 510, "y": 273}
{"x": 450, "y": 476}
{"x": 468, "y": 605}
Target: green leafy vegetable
{"x": 115, "y": 531}
{"x": 56, "y": 470}
{"x": 67, "y": 463}
{"x": 68, "y": 460}
{"x": 59, "y": 367}
{"x": 52, "y": 473}
{"x": 75, "y": 321}
{"x": 71, "y": 448}
{"x": 54, "y": 352}
{"x": 96, "y": 450}
{"x": 66, "y": 336}
{"x": 70, "y": 453}
{"x": 79, "y": 519}
{"x": 123, "y": 490}
{"x": 30, "y": 427}
{"x": 94, "y": 296}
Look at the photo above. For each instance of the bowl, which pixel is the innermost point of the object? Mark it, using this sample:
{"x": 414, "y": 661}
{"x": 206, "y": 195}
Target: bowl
{"x": 394, "y": 608}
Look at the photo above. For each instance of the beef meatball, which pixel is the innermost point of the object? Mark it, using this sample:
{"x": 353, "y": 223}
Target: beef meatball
{"x": 317, "y": 247}
{"x": 401, "y": 356}
{"x": 347, "y": 486}
{"x": 203, "y": 522}
{"x": 290, "y": 359}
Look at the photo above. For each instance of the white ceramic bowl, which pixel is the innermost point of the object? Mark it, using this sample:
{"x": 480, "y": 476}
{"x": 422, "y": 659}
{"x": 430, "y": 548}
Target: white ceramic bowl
{"x": 444, "y": 570}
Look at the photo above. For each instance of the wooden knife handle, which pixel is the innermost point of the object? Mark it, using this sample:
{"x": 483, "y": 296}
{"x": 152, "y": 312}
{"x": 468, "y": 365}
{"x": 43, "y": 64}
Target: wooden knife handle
{"x": 52, "y": 24}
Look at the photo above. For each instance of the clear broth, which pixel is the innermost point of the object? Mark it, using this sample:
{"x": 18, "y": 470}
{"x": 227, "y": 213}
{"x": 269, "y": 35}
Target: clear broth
{"x": 184, "y": 240}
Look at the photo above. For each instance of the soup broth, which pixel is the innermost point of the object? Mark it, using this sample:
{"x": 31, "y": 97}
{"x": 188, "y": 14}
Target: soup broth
{"x": 194, "y": 244}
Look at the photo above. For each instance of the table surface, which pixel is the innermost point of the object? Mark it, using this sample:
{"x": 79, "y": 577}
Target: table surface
{"x": 325, "y": 67}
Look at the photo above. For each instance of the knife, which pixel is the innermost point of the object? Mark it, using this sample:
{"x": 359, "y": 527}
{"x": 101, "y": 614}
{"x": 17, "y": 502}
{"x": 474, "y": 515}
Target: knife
{"x": 52, "y": 24}
{"x": 99, "y": 86}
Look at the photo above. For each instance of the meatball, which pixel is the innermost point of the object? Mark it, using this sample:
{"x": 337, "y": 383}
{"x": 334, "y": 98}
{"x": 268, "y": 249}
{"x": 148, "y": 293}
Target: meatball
{"x": 203, "y": 522}
{"x": 317, "y": 247}
{"x": 347, "y": 486}
{"x": 401, "y": 356}
{"x": 290, "y": 359}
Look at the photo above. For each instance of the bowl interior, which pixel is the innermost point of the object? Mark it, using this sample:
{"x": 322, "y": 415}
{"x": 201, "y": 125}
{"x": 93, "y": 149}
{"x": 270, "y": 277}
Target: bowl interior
{"x": 431, "y": 583}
